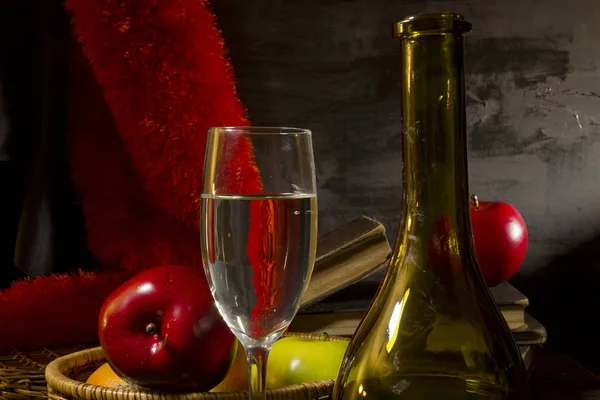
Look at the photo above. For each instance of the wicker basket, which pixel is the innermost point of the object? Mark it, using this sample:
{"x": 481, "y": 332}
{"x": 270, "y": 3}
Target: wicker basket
{"x": 66, "y": 375}
{"x": 22, "y": 371}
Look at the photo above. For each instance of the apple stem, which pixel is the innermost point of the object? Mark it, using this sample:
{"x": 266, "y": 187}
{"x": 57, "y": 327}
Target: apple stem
{"x": 257, "y": 370}
{"x": 151, "y": 328}
{"x": 475, "y": 201}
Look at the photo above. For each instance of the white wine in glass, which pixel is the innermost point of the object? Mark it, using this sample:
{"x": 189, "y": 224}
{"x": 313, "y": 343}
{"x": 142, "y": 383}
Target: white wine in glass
{"x": 258, "y": 239}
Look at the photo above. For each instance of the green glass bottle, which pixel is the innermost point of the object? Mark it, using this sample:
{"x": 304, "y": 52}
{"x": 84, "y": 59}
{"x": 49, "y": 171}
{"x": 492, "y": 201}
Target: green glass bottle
{"x": 433, "y": 330}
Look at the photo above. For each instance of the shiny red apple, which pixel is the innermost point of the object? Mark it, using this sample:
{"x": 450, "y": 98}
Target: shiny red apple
{"x": 161, "y": 330}
{"x": 500, "y": 237}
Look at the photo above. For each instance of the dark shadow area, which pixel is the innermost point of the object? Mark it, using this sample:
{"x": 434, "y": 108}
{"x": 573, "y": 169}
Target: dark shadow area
{"x": 565, "y": 297}
{"x": 42, "y": 227}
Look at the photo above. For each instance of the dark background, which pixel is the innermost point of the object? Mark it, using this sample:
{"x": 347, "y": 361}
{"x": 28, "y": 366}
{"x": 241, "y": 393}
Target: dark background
{"x": 332, "y": 66}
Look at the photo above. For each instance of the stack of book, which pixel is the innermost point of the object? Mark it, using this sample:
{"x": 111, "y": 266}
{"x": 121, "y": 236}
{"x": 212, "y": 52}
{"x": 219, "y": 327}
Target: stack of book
{"x": 339, "y": 295}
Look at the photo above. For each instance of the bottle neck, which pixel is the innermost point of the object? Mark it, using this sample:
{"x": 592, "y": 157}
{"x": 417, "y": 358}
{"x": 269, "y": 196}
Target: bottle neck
{"x": 435, "y": 178}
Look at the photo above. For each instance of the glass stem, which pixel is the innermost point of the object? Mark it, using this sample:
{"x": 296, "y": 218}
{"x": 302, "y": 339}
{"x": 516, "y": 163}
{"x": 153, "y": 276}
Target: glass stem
{"x": 257, "y": 370}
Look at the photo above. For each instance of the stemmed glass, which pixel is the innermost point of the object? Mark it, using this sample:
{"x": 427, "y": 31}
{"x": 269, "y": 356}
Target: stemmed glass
{"x": 258, "y": 233}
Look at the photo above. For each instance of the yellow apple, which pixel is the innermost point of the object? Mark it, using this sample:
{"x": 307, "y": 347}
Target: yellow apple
{"x": 296, "y": 360}
{"x": 292, "y": 360}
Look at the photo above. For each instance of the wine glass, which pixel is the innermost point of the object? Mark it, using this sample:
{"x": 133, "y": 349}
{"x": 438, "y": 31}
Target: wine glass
{"x": 258, "y": 233}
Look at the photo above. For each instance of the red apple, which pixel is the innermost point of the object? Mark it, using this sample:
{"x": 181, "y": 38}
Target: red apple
{"x": 441, "y": 256}
{"x": 161, "y": 330}
{"x": 500, "y": 237}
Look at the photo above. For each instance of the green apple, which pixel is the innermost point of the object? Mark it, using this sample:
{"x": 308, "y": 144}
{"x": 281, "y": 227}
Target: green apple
{"x": 294, "y": 360}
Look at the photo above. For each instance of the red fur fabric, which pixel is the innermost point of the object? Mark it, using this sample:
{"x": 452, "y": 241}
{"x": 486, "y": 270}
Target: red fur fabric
{"x": 125, "y": 230}
{"x": 165, "y": 79}
{"x": 57, "y": 310}
{"x": 138, "y": 122}
{"x": 164, "y": 76}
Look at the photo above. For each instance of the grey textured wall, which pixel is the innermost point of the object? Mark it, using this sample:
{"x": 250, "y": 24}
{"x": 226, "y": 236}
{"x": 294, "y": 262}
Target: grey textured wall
{"x": 533, "y": 110}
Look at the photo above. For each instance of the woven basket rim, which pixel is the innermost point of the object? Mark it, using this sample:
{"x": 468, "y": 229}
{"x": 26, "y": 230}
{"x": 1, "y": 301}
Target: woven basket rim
{"x": 57, "y": 381}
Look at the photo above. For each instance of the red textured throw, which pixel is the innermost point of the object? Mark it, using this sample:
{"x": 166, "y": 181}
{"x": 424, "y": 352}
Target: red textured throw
{"x": 125, "y": 230}
{"x": 138, "y": 122}
{"x": 164, "y": 76}
{"x": 56, "y": 310}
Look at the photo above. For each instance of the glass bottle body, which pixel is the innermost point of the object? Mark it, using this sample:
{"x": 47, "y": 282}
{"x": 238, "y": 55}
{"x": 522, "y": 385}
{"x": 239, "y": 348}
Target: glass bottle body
{"x": 433, "y": 330}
